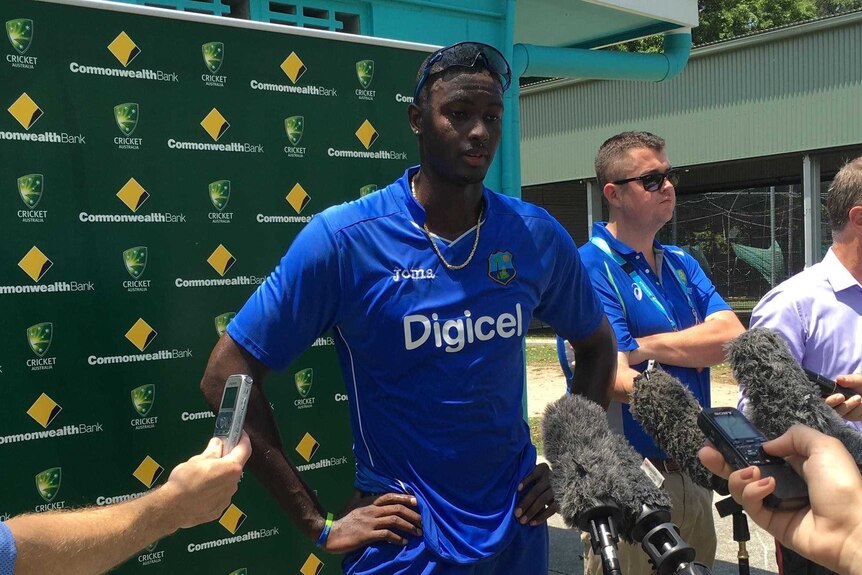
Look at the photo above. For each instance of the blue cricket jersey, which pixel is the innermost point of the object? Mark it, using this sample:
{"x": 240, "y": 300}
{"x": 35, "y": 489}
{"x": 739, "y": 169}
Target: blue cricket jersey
{"x": 633, "y": 315}
{"x": 432, "y": 359}
{"x": 8, "y": 551}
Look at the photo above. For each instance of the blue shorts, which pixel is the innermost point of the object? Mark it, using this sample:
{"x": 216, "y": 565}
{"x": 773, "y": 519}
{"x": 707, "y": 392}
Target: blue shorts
{"x": 527, "y": 554}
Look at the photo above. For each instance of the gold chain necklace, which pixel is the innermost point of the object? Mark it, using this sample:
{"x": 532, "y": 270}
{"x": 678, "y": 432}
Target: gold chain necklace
{"x": 446, "y": 264}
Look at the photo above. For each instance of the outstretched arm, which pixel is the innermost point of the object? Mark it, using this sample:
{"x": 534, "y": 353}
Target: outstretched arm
{"x": 96, "y": 539}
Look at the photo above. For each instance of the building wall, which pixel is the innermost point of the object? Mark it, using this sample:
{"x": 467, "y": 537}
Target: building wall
{"x": 780, "y": 92}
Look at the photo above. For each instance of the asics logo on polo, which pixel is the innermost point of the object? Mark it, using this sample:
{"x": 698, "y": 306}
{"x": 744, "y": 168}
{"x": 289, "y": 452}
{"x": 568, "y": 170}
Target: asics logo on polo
{"x": 454, "y": 334}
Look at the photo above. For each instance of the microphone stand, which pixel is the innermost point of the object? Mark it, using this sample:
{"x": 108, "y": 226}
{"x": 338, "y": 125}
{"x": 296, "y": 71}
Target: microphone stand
{"x": 667, "y": 551}
{"x": 741, "y": 534}
{"x": 601, "y": 523}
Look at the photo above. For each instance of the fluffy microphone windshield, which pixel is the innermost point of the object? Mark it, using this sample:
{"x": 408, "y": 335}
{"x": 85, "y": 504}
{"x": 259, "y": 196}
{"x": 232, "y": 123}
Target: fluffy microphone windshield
{"x": 779, "y": 393}
{"x": 668, "y": 411}
{"x": 593, "y": 465}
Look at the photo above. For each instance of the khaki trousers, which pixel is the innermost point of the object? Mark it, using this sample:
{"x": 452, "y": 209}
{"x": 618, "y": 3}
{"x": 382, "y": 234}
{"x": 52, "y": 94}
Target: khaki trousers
{"x": 691, "y": 511}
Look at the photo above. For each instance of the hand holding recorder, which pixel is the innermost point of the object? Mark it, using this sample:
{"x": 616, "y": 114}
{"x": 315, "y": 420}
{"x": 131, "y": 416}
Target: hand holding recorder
{"x": 827, "y": 531}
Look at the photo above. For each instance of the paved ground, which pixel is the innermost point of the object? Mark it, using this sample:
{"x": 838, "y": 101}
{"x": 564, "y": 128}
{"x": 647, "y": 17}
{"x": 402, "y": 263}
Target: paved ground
{"x": 545, "y": 386}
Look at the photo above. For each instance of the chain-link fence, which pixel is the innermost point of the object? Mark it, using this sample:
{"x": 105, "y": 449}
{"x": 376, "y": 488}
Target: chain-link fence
{"x": 747, "y": 241}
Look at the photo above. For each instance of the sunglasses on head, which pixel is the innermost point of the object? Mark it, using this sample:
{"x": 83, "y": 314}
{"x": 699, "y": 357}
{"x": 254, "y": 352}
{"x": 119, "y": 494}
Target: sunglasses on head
{"x": 653, "y": 182}
{"x": 466, "y": 55}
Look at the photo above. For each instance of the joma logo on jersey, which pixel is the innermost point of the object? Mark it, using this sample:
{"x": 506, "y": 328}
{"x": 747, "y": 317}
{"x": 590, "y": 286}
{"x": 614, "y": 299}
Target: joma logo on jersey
{"x": 453, "y": 334}
{"x": 414, "y": 274}
{"x": 124, "y": 49}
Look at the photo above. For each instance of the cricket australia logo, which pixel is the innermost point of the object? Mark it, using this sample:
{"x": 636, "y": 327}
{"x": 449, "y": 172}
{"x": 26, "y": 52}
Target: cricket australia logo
{"x": 135, "y": 260}
{"x": 30, "y": 188}
{"x": 143, "y": 398}
{"x": 501, "y": 269}
{"x": 303, "y": 379}
{"x": 126, "y": 116}
{"x": 213, "y": 53}
{"x": 294, "y": 127}
{"x": 365, "y": 72}
{"x": 219, "y": 193}
{"x": 39, "y": 337}
{"x": 20, "y": 34}
{"x": 48, "y": 483}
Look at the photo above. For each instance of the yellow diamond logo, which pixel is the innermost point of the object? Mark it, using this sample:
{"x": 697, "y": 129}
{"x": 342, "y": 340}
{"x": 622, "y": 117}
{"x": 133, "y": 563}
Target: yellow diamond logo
{"x": 133, "y": 194}
{"x": 124, "y": 49}
{"x": 293, "y": 67}
{"x": 312, "y": 565}
{"x": 232, "y": 518}
{"x": 215, "y": 124}
{"x": 366, "y": 134}
{"x": 148, "y": 471}
{"x": 221, "y": 260}
{"x": 35, "y": 264}
{"x": 44, "y": 410}
{"x": 297, "y": 198}
{"x": 25, "y": 110}
{"x": 141, "y": 334}
{"x": 307, "y": 447}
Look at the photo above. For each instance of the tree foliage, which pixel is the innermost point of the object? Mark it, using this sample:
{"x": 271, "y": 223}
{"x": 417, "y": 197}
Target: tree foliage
{"x": 726, "y": 19}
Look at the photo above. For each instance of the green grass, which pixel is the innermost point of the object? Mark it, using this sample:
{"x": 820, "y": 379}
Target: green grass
{"x": 536, "y": 433}
{"x": 542, "y": 355}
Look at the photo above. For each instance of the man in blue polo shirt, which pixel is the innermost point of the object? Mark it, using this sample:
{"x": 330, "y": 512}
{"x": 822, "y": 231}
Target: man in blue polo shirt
{"x": 428, "y": 286}
{"x": 662, "y": 307}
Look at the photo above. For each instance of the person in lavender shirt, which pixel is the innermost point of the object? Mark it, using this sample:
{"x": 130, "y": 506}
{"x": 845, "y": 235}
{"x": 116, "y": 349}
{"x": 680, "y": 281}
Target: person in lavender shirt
{"x": 819, "y": 312}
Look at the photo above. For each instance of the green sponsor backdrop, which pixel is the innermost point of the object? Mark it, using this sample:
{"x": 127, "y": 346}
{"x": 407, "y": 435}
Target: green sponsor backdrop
{"x": 128, "y": 242}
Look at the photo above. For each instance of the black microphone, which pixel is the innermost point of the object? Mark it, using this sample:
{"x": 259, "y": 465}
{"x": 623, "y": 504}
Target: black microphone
{"x": 779, "y": 393}
{"x": 668, "y": 412}
{"x": 595, "y": 470}
{"x": 827, "y": 386}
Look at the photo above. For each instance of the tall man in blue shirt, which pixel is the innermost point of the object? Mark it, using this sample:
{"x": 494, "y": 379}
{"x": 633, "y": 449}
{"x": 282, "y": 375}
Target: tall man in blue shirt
{"x": 662, "y": 307}
{"x": 429, "y": 286}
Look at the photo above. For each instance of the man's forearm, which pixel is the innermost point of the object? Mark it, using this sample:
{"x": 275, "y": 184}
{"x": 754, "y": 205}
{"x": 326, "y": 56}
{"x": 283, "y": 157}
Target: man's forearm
{"x": 701, "y": 345}
{"x": 268, "y": 461}
{"x": 596, "y": 364}
{"x": 90, "y": 540}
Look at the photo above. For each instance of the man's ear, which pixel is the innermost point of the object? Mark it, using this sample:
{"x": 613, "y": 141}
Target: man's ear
{"x": 612, "y": 195}
{"x": 855, "y": 219}
{"x": 414, "y": 118}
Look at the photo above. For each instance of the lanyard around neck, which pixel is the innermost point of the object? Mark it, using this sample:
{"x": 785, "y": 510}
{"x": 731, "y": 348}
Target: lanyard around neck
{"x": 636, "y": 277}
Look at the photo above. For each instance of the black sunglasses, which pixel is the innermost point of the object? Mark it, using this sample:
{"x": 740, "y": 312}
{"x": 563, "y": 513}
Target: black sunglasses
{"x": 653, "y": 182}
{"x": 466, "y": 55}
